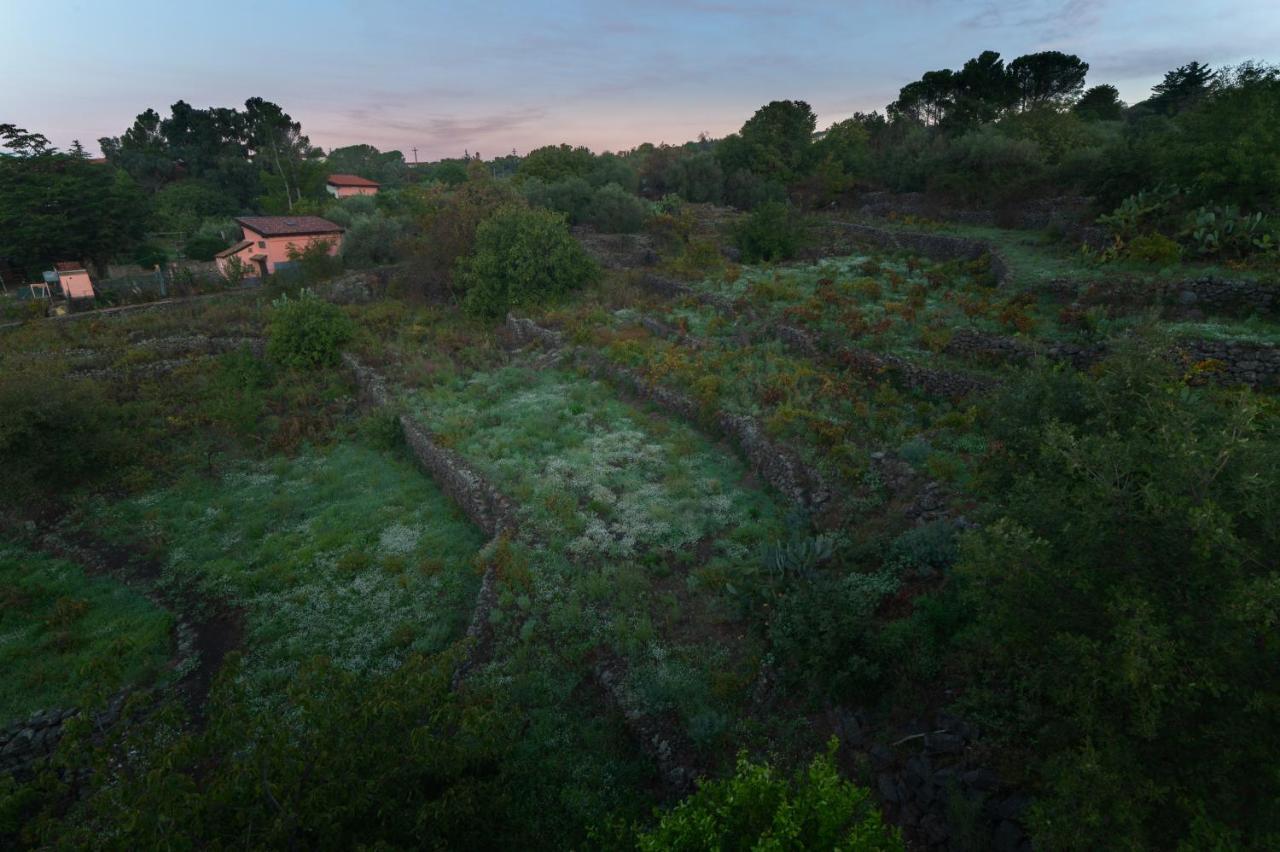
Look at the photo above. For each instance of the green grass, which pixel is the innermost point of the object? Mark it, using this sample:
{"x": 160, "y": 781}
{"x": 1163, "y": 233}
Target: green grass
{"x": 62, "y": 633}
{"x": 351, "y": 554}
{"x": 634, "y": 530}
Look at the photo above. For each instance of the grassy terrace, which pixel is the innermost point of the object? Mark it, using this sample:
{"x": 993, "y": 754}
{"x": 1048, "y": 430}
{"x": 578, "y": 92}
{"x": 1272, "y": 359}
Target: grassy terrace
{"x": 635, "y": 531}
{"x": 60, "y": 629}
{"x": 348, "y": 553}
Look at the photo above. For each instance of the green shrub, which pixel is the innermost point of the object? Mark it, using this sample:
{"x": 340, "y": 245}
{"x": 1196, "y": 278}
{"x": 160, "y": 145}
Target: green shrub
{"x": 757, "y": 808}
{"x": 446, "y": 220}
{"x": 571, "y": 196}
{"x": 371, "y": 239}
{"x": 1156, "y": 249}
{"x": 1124, "y": 591}
{"x": 149, "y": 256}
{"x": 307, "y": 331}
{"x": 55, "y": 432}
{"x": 523, "y": 257}
{"x": 613, "y": 210}
{"x": 203, "y": 247}
{"x": 773, "y": 232}
{"x": 314, "y": 262}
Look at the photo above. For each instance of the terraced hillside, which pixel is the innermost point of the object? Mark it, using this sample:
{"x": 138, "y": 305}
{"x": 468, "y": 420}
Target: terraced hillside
{"x": 517, "y": 584}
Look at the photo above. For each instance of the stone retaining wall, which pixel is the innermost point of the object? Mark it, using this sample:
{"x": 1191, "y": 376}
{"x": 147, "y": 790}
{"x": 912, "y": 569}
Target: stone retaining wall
{"x": 944, "y": 383}
{"x": 776, "y": 464}
{"x": 485, "y": 506}
{"x": 941, "y": 247}
{"x": 924, "y": 766}
{"x": 1234, "y": 363}
{"x": 1226, "y": 362}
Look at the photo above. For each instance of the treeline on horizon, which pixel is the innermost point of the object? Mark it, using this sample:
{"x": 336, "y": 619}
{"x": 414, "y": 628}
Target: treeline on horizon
{"x": 1199, "y": 151}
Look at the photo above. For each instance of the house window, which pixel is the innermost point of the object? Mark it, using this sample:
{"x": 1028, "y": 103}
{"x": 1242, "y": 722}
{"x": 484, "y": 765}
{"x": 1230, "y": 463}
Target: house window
{"x": 262, "y": 243}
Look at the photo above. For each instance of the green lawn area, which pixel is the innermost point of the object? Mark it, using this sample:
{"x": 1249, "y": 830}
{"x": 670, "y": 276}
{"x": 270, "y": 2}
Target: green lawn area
{"x": 350, "y": 553}
{"x": 62, "y": 632}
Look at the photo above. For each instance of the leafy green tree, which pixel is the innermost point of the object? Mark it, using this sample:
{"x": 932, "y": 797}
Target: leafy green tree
{"x": 556, "y": 162}
{"x": 1181, "y": 88}
{"x": 613, "y": 210}
{"x": 772, "y": 232}
{"x": 445, "y": 221}
{"x": 1048, "y": 78}
{"x": 571, "y": 196}
{"x": 279, "y": 147}
{"x": 142, "y": 152}
{"x": 983, "y": 91}
{"x": 841, "y": 156}
{"x": 610, "y": 168}
{"x": 928, "y": 100}
{"x": 372, "y": 239}
{"x": 778, "y": 139}
{"x": 1124, "y": 591}
{"x": 1224, "y": 146}
{"x": 181, "y": 206}
{"x": 388, "y": 169}
{"x": 54, "y": 206}
{"x": 1101, "y": 103}
{"x": 523, "y": 257}
{"x": 757, "y": 808}
{"x": 700, "y": 178}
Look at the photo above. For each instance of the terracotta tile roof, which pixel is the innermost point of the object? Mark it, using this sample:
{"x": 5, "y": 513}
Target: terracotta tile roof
{"x": 68, "y": 266}
{"x": 289, "y": 226}
{"x": 235, "y": 249}
{"x": 351, "y": 180}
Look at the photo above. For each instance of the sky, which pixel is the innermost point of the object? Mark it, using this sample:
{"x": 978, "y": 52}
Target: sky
{"x": 492, "y": 77}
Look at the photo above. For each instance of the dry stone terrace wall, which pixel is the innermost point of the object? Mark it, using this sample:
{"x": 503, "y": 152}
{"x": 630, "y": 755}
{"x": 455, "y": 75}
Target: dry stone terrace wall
{"x": 485, "y": 506}
{"x": 1256, "y": 365}
{"x": 1235, "y": 363}
{"x": 941, "y": 247}
{"x": 776, "y": 464}
{"x": 943, "y": 383}
{"x": 493, "y": 512}
{"x": 1204, "y": 295}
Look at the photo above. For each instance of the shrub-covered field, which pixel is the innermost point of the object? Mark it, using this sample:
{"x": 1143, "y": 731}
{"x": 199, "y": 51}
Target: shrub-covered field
{"x": 1024, "y": 573}
{"x": 348, "y": 554}
{"x": 64, "y": 630}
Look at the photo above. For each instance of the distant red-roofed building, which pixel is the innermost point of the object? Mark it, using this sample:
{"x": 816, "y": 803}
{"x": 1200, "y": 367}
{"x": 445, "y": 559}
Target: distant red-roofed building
{"x": 73, "y": 278}
{"x": 345, "y": 186}
{"x": 268, "y": 240}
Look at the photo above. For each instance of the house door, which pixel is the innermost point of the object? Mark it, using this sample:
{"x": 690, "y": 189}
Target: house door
{"x": 262, "y": 268}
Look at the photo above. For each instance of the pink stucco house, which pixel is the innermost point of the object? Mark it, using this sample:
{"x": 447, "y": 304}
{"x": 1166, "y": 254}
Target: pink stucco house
{"x": 268, "y": 239}
{"x": 345, "y": 186}
{"x": 73, "y": 278}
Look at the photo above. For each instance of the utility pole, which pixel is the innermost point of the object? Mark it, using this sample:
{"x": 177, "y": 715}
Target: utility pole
{"x": 415, "y": 156}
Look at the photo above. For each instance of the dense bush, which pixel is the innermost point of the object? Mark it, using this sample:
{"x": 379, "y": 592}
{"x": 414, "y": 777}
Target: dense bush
{"x": 212, "y": 237}
{"x": 613, "y": 210}
{"x": 55, "y": 433}
{"x": 183, "y": 205}
{"x": 428, "y": 765}
{"x": 572, "y": 196}
{"x": 522, "y": 257}
{"x": 307, "y": 331}
{"x": 772, "y": 232}
{"x": 446, "y": 220}
{"x": 371, "y": 240}
{"x": 758, "y": 808}
{"x": 1124, "y": 594}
